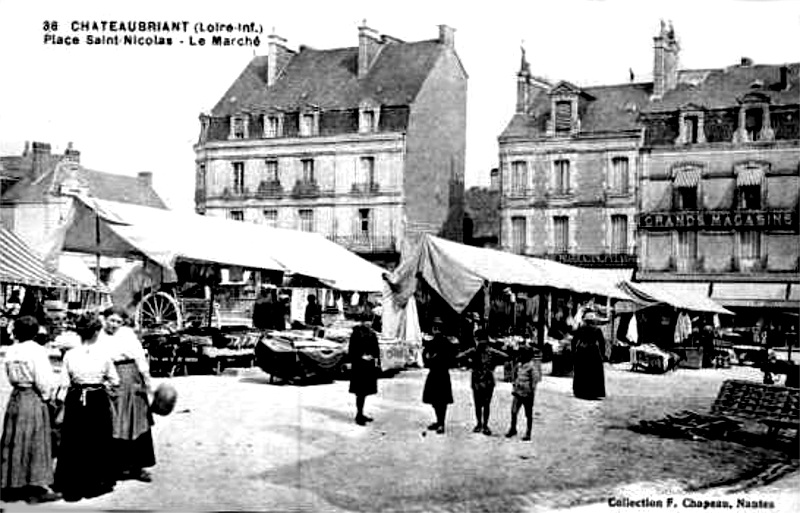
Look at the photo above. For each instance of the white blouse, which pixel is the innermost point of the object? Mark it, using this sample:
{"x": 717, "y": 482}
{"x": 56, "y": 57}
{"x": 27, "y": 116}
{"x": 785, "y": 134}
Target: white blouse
{"x": 125, "y": 345}
{"x": 89, "y": 364}
{"x": 28, "y": 365}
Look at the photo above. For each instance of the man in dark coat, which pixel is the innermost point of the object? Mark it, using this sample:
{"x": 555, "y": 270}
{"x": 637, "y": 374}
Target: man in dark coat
{"x": 365, "y": 364}
{"x": 438, "y": 354}
{"x": 265, "y": 311}
{"x": 589, "y": 377}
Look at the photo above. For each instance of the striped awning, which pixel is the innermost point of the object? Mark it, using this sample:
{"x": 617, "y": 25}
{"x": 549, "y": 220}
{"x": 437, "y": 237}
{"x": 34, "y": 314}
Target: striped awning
{"x": 20, "y": 265}
{"x": 750, "y": 176}
{"x": 687, "y": 178}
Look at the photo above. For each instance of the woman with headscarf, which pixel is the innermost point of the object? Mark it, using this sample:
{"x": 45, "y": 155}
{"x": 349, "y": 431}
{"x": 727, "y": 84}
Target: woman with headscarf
{"x": 589, "y": 377}
{"x": 85, "y": 465}
{"x": 133, "y": 440}
{"x": 26, "y": 461}
{"x": 438, "y": 354}
{"x": 365, "y": 359}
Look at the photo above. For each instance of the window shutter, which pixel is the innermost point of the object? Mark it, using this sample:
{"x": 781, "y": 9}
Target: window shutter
{"x": 563, "y": 116}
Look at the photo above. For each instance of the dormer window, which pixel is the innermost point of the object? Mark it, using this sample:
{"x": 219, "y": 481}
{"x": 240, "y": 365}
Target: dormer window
{"x": 309, "y": 126}
{"x": 238, "y": 127}
{"x": 754, "y": 119}
{"x": 368, "y": 114}
{"x": 692, "y": 130}
{"x": 273, "y": 126}
{"x": 563, "y": 117}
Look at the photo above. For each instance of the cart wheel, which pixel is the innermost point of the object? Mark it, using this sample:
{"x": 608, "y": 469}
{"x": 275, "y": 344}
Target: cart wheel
{"x": 158, "y": 309}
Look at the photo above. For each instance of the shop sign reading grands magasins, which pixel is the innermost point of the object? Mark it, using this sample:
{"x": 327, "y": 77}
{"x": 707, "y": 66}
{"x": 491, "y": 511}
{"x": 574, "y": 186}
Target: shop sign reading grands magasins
{"x": 720, "y": 220}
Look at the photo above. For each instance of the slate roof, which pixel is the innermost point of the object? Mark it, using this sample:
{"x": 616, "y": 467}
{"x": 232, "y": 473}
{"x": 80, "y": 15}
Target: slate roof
{"x": 615, "y": 108}
{"x": 328, "y": 79}
{"x": 721, "y": 88}
{"x": 106, "y": 186}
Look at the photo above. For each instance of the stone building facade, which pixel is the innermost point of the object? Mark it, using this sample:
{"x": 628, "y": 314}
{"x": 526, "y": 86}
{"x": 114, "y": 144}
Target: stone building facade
{"x": 364, "y": 145}
{"x": 568, "y": 168}
{"x": 720, "y": 188}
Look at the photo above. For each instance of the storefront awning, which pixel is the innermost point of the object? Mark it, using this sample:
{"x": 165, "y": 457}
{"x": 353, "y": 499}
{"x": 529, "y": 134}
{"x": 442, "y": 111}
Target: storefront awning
{"x": 675, "y": 294}
{"x": 750, "y": 176}
{"x": 20, "y": 265}
{"x": 687, "y": 178}
{"x": 754, "y": 295}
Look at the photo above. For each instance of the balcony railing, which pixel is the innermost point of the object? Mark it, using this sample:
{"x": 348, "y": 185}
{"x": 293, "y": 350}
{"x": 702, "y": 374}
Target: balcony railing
{"x": 365, "y": 188}
{"x": 305, "y": 189}
{"x": 366, "y": 243}
{"x": 269, "y": 189}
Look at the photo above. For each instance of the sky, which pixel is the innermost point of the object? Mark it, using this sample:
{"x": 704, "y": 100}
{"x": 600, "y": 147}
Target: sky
{"x": 135, "y": 108}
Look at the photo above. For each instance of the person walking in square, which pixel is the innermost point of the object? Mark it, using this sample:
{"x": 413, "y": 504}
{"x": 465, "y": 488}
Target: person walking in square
{"x": 588, "y": 381}
{"x": 365, "y": 359}
{"x": 527, "y": 374}
{"x": 133, "y": 439}
{"x": 482, "y": 360}
{"x": 438, "y": 355}
{"x": 26, "y": 460}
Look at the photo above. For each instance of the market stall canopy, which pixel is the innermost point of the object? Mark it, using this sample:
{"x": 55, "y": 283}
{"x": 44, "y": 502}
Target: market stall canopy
{"x": 652, "y": 293}
{"x": 20, "y": 265}
{"x": 164, "y": 236}
{"x": 457, "y": 272}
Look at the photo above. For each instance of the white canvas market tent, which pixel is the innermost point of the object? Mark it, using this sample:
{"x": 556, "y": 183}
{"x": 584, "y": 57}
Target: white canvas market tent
{"x": 649, "y": 294}
{"x": 457, "y": 272}
{"x": 163, "y": 236}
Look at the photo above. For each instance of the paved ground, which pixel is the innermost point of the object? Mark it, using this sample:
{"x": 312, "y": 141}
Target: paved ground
{"x": 240, "y": 443}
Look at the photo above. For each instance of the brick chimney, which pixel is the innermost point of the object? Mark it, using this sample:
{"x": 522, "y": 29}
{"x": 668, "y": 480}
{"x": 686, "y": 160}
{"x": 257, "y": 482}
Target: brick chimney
{"x": 369, "y": 44}
{"x": 523, "y": 85}
{"x": 665, "y": 62}
{"x": 494, "y": 179}
{"x": 278, "y": 56}
{"x": 40, "y": 158}
{"x": 72, "y": 155}
{"x": 146, "y": 178}
{"x": 447, "y": 35}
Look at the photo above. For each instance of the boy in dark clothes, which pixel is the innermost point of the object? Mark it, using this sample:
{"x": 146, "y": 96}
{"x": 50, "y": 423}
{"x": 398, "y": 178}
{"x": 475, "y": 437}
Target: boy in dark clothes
{"x": 483, "y": 360}
{"x": 526, "y": 376}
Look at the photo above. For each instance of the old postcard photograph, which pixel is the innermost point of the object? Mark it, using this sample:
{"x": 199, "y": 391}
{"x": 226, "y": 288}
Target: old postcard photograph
{"x": 518, "y": 256}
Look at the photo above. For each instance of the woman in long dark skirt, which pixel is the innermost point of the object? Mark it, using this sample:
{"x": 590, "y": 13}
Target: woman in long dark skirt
{"x": 133, "y": 440}
{"x": 364, "y": 354}
{"x": 26, "y": 462}
{"x": 85, "y": 465}
{"x": 438, "y": 354}
{"x": 589, "y": 378}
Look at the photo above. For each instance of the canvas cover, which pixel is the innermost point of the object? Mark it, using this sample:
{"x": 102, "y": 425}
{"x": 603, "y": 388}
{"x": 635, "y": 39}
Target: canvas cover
{"x": 21, "y": 265}
{"x": 164, "y": 236}
{"x": 652, "y": 293}
{"x": 457, "y": 272}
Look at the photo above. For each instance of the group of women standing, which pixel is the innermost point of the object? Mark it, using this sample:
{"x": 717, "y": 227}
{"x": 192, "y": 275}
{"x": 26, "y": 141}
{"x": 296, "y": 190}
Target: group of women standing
{"x": 103, "y": 393}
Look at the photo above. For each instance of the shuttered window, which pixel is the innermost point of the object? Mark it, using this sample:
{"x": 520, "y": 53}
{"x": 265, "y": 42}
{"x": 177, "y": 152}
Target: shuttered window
{"x": 308, "y": 170}
{"x": 619, "y": 175}
{"x": 271, "y": 218}
{"x": 563, "y": 116}
{"x": 750, "y": 245}
{"x": 272, "y": 171}
{"x": 619, "y": 234}
{"x": 306, "y": 220}
{"x": 687, "y": 245}
{"x": 562, "y": 176}
{"x": 518, "y": 229}
{"x": 561, "y": 234}
{"x": 519, "y": 177}
{"x": 238, "y": 177}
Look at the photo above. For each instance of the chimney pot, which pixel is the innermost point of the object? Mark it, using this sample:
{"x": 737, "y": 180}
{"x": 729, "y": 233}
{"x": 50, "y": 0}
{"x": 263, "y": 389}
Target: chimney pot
{"x": 746, "y": 61}
{"x": 447, "y": 35}
{"x": 369, "y": 43}
{"x": 72, "y": 154}
{"x": 278, "y": 57}
{"x": 146, "y": 177}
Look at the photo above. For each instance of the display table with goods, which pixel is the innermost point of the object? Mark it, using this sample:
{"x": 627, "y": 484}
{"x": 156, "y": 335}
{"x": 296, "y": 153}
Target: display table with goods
{"x": 562, "y": 355}
{"x": 298, "y": 356}
{"x": 200, "y": 350}
{"x": 651, "y": 358}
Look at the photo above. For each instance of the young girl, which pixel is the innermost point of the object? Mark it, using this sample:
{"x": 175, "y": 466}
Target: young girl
{"x": 483, "y": 360}
{"x": 527, "y": 375}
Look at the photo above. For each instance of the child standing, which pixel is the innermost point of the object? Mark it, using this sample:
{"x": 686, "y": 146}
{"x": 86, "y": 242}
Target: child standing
{"x": 528, "y": 374}
{"x": 483, "y": 360}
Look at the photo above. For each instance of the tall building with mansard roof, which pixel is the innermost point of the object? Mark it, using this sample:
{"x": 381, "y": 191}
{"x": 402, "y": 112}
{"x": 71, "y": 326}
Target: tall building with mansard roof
{"x": 364, "y": 144}
{"x": 692, "y": 179}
